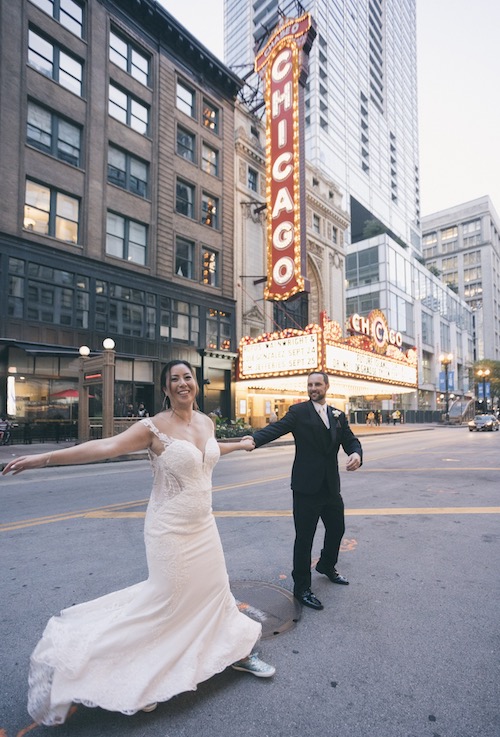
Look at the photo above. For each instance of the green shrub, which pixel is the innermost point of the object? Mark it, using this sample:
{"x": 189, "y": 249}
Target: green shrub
{"x": 225, "y": 428}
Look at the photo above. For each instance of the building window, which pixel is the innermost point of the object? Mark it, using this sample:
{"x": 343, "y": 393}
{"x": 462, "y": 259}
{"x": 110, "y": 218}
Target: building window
{"x": 184, "y": 258}
{"x": 449, "y": 233}
{"x": 124, "y": 310}
{"x": 292, "y": 314}
{"x": 179, "y": 321}
{"x": 472, "y": 274}
{"x": 362, "y": 304}
{"x": 126, "y": 239}
{"x": 50, "y": 212}
{"x": 362, "y": 267}
{"x": 209, "y": 210}
{"x": 184, "y": 200}
{"x": 127, "y": 57}
{"x": 55, "y": 296}
{"x": 253, "y": 180}
{"x": 185, "y": 100}
{"x": 68, "y": 12}
{"x": 316, "y": 223}
{"x": 473, "y": 226}
{"x": 55, "y": 63}
{"x": 15, "y": 301}
{"x": 218, "y": 330}
{"x": 449, "y": 263}
{"x": 335, "y": 235}
{"x": 127, "y": 172}
{"x": 451, "y": 279}
{"x": 210, "y": 160}
{"x": 53, "y": 135}
{"x": 128, "y": 110}
{"x": 427, "y": 328}
{"x": 210, "y": 116}
{"x": 444, "y": 335}
{"x": 210, "y": 267}
{"x": 186, "y": 142}
{"x": 471, "y": 258}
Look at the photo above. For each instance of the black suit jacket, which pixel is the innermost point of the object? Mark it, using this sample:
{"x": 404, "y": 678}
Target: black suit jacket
{"x": 316, "y": 448}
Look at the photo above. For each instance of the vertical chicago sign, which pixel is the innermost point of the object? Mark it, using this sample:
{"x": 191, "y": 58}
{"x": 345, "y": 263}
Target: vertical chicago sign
{"x": 283, "y": 65}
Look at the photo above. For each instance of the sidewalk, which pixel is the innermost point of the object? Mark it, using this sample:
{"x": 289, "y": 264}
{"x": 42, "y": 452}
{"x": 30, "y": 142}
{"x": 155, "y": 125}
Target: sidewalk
{"x": 8, "y": 452}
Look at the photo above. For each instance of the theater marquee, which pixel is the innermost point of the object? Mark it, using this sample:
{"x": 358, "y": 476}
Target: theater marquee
{"x": 322, "y": 348}
{"x": 283, "y": 66}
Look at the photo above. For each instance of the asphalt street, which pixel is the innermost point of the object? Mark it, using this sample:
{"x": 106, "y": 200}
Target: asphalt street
{"x": 409, "y": 649}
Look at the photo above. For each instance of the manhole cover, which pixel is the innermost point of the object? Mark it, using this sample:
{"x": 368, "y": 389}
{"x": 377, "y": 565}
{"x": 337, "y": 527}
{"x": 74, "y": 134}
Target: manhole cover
{"x": 275, "y": 608}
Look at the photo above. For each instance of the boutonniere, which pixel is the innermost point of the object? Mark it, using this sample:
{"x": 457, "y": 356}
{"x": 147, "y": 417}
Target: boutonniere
{"x": 336, "y": 413}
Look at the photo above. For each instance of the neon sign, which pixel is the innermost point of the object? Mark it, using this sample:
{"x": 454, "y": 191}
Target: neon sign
{"x": 283, "y": 66}
{"x": 375, "y": 326}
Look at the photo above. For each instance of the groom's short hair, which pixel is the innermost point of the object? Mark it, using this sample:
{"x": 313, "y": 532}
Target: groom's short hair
{"x": 321, "y": 373}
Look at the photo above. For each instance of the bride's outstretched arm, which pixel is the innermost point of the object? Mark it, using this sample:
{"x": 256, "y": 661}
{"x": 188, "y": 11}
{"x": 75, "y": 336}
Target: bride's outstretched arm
{"x": 245, "y": 443}
{"x": 137, "y": 437}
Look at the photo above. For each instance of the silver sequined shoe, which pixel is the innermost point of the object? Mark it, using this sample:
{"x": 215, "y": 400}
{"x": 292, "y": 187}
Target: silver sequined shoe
{"x": 254, "y": 665}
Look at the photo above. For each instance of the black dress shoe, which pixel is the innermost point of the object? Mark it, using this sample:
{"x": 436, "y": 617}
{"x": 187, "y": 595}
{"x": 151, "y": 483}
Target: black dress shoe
{"x": 332, "y": 574}
{"x": 307, "y": 598}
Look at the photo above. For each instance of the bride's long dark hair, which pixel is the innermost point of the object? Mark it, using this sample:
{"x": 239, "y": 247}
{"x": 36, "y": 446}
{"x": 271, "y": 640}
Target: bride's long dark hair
{"x": 165, "y": 375}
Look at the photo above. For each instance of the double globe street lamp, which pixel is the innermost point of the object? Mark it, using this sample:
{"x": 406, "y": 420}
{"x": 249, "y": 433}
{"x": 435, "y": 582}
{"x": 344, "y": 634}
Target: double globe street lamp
{"x": 483, "y": 375}
{"x": 446, "y": 359}
{"x": 98, "y": 370}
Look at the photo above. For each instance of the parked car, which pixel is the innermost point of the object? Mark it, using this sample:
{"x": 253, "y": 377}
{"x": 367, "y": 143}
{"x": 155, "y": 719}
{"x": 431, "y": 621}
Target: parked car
{"x": 484, "y": 422}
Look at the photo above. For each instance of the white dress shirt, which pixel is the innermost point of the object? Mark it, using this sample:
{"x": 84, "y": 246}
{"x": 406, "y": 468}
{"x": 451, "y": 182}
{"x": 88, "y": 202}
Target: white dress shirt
{"x": 321, "y": 410}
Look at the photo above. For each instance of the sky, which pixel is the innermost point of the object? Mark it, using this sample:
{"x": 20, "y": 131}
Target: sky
{"x": 458, "y": 67}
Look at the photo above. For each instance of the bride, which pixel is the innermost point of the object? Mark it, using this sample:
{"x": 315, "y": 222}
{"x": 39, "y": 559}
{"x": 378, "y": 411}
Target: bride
{"x": 133, "y": 648}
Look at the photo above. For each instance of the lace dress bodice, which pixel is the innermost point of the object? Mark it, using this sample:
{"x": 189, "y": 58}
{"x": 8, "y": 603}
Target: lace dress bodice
{"x": 182, "y": 478}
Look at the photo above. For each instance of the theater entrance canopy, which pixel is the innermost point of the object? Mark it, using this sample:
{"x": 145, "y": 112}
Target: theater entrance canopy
{"x": 370, "y": 361}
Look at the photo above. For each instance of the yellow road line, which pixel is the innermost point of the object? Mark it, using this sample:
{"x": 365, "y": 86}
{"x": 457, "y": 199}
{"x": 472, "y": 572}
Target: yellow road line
{"x": 118, "y": 510}
{"x": 373, "y": 512}
{"x": 104, "y": 511}
{"x": 447, "y": 469}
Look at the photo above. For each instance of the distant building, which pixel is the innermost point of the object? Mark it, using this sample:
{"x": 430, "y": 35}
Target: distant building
{"x": 462, "y": 244}
{"x": 117, "y": 161}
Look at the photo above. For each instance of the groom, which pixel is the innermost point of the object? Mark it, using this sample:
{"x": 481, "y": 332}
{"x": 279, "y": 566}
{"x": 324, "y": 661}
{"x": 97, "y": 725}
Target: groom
{"x": 319, "y": 430}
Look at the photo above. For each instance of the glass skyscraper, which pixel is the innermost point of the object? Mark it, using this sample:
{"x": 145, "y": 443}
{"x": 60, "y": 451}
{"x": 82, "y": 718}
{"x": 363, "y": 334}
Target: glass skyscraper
{"x": 361, "y": 101}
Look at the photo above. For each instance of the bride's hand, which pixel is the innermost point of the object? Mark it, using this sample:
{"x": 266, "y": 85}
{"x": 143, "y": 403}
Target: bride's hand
{"x": 247, "y": 443}
{"x": 25, "y": 463}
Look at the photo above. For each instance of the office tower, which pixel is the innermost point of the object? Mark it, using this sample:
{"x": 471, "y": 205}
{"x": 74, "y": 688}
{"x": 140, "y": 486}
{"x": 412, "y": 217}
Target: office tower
{"x": 361, "y": 100}
{"x": 462, "y": 245}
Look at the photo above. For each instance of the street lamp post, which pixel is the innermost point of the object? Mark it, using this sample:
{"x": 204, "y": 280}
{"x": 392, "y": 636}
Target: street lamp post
{"x": 483, "y": 374}
{"x": 446, "y": 359}
{"x": 99, "y": 369}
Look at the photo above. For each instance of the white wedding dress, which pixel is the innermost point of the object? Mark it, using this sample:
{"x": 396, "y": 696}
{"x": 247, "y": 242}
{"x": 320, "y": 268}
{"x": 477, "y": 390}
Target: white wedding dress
{"x": 163, "y": 636}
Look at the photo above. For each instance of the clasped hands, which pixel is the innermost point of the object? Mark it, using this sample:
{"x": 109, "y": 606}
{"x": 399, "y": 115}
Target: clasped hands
{"x": 247, "y": 443}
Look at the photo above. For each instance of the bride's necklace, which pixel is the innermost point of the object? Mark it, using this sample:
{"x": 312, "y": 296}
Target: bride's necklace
{"x": 188, "y": 422}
